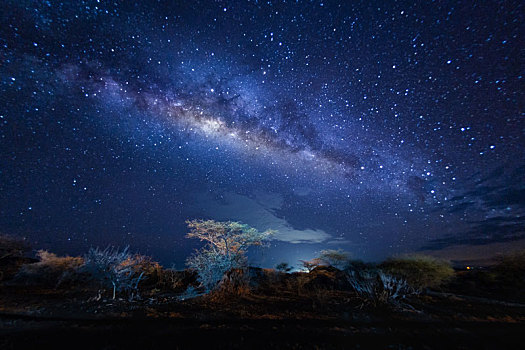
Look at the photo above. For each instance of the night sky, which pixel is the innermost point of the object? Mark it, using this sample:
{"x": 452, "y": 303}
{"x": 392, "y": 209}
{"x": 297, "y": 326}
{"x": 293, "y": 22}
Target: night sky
{"x": 379, "y": 127}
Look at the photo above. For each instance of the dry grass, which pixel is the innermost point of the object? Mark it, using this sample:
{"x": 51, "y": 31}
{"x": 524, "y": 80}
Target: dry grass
{"x": 52, "y": 270}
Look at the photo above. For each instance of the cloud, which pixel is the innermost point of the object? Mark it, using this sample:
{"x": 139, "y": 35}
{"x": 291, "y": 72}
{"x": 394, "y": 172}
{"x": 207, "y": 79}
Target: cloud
{"x": 497, "y": 200}
{"x": 258, "y": 212}
{"x": 340, "y": 242}
{"x": 492, "y": 230}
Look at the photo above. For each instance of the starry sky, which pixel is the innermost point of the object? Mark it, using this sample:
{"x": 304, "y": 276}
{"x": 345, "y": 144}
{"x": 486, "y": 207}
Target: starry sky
{"x": 379, "y": 127}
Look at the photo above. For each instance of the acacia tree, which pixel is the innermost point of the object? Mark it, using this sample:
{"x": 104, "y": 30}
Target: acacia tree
{"x": 336, "y": 258}
{"x": 226, "y": 246}
{"x": 310, "y": 265}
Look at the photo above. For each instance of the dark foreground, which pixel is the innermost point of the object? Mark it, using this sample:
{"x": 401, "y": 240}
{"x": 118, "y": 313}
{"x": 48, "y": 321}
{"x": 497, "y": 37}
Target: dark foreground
{"x": 33, "y": 333}
{"x": 53, "y": 303}
{"x": 33, "y": 319}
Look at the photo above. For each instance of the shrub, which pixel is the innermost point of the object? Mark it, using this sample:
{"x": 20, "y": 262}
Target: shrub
{"x": 116, "y": 269}
{"x": 153, "y": 273}
{"x": 378, "y": 288}
{"x": 299, "y": 283}
{"x": 283, "y": 267}
{"x": 328, "y": 278}
{"x": 11, "y": 246}
{"x": 189, "y": 293}
{"x": 419, "y": 271}
{"x": 309, "y": 265}
{"x": 178, "y": 281}
{"x": 273, "y": 279}
{"x": 51, "y": 270}
{"x": 12, "y": 251}
{"x": 336, "y": 258}
{"x": 240, "y": 281}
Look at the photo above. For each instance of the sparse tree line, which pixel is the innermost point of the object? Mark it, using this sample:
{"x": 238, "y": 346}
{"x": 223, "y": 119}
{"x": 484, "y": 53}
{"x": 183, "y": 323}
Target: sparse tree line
{"x": 123, "y": 273}
{"x": 388, "y": 282}
{"x": 222, "y": 264}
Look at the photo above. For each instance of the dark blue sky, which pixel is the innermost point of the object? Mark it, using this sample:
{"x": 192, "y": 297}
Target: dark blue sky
{"x": 375, "y": 127}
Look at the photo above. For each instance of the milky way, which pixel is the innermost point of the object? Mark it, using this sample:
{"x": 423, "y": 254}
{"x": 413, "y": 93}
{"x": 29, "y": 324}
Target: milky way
{"x": 380, "y": 128}
{"x": 275, "y": 130}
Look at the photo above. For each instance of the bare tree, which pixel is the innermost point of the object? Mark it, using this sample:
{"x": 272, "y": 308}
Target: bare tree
{"x": 119, "y": 269}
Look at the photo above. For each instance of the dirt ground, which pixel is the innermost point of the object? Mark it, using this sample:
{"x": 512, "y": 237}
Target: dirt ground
{"x": 31, "y": 318}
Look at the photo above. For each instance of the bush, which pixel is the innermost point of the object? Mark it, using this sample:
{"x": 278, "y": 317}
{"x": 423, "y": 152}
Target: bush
{"x": 378, "y": 288}
{"x": 419, "y": 271}
{"x": 172, "y": 280}
{"x": 273, "y": 279}
{"x": 115, "y": 269}
{"x": 12, "y": 255}
{"x": 51, "y": 270}
{"x": 157, "y": 277}
{"x": 283, "y": 267}
{"x": 336, "y": 258}
{"x": 180, "y": 280}
{"x": 324, "y": 278}
{"x": 153, "y": 273}
{"x": 189, "y": 293}
{"x": 12, "y": 247}
{"x": 310, "y": 265}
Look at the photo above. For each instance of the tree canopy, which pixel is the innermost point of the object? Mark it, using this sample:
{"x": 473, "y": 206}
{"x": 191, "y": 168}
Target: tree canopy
{"x": 228, "y": 237}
